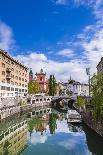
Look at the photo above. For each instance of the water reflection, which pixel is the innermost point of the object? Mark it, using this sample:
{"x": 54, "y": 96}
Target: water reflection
{"x": 14, "y": 139}
{"x": 47, "y": 132}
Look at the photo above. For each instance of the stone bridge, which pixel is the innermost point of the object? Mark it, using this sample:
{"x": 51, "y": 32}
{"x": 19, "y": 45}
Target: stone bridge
{"x": 60, "y": 98}
{"x": 66, "y": 100}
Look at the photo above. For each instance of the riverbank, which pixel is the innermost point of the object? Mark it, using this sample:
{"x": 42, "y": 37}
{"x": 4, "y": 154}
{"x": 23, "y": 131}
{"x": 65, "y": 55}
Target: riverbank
{"x": 96, "y": 126}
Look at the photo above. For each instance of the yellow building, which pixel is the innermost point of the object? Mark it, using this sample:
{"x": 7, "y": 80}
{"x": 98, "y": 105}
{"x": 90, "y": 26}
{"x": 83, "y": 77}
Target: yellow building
{"x": 13, "y": 77}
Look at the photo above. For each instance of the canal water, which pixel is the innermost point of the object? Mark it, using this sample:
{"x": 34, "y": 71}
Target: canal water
{"x": 47, "y": 133}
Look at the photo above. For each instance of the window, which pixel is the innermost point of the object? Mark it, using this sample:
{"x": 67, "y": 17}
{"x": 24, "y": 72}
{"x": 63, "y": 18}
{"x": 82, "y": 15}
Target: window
{"x": 16, "y": 77}
{"x": 3, "y": 58}
{"x": 22, "y": 90}
{"x": 3, "y": 73}
{"x": 16, "y": 89}
{"x": 3, "y": 87}
{"x": 3, "y": 65}
{"x": 12, "y": 89}
{"x": 8, "y": 88}
{"x": 40, "y": 78}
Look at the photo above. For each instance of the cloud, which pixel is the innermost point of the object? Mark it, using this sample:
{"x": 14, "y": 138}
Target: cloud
{"x": 62, "y": 70}
{"x": 6, "y": 37}
{"x": 66, "y": 53}
{"x": 60, "y": 2}
{"x": 37, "y": 138}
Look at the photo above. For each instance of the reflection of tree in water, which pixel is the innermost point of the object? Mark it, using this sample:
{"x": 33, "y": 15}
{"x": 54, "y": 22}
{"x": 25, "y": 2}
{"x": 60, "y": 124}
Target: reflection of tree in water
{"x": 33, "y": 123}
{"x": 38, "y": 124}
{"x": 5, "y": 148}
{"x": 52, "y": 123}
{"x": 94, "y": 142}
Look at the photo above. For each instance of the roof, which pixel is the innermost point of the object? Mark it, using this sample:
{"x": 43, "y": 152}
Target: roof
{"x": 6, "y": 54}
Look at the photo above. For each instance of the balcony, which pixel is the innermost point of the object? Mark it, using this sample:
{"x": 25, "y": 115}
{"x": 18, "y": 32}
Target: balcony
{"x": 8, "y": 70}
{"x": 8, "y": 77}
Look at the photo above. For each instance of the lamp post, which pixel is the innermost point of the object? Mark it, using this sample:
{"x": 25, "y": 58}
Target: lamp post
{"x": 88, "y": 73}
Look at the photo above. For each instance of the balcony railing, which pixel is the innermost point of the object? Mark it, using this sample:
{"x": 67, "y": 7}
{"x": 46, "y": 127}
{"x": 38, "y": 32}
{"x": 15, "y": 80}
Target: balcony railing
{"x": 8, "y": 70}
{"x": 8, "y": 76}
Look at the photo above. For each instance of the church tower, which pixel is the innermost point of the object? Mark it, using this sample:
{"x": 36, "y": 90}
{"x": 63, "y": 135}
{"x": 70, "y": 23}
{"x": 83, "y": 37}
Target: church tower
{"x": 30, "y": 75}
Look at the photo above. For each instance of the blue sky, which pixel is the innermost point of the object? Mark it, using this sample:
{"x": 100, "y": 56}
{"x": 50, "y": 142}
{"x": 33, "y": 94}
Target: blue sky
{"x": 61, "y": 36}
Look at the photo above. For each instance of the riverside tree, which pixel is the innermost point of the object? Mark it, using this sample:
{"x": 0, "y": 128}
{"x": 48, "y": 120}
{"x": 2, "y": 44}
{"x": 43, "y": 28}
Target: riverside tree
{"x": 52, "y": 85}
{"x": 97, "y": 96}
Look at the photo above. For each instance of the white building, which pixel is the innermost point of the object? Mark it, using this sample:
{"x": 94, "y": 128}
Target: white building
{"x": 77, "y": 88}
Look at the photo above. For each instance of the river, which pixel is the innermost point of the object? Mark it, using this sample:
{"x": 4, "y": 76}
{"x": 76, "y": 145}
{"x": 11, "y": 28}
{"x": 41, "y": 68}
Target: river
{"x": 47, "y": 134}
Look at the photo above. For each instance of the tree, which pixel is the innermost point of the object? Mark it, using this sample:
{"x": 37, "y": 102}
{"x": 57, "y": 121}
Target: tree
{"x": 52, "y": 85}
{"x": 80, "y": 101}
{"x": 33, "y": 87}
{"x": 97, "y": 96}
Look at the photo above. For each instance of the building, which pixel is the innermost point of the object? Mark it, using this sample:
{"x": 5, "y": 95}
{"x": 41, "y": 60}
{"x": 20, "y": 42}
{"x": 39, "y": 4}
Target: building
{"x": 77, "y": 88}
{"x": 30, "y": 75}
{"x": 41, "y": 79}
{"x": 13, "y": 78}
{"x": 100, "y": 66}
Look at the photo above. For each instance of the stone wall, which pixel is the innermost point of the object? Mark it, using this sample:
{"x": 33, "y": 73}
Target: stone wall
{"x": 97, "y": 126}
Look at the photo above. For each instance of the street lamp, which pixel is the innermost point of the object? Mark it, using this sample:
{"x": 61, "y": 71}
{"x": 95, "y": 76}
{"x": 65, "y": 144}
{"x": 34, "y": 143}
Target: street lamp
{"x": 88, "y": 73}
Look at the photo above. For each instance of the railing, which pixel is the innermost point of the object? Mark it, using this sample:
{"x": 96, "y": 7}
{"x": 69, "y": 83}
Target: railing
{"x": 12, "y": 129}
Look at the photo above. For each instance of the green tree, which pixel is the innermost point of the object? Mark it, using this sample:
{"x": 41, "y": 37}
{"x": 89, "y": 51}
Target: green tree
{"x": 80, "y": 101}
{"x": 33, "y": 87}
{"x": 52, "y": 85}
{"x": 97, "y": 96}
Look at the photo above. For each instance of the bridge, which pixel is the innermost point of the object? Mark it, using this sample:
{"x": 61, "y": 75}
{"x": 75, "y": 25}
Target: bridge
{"x": 60, "y": 98}
{"x": 66, "y": 100}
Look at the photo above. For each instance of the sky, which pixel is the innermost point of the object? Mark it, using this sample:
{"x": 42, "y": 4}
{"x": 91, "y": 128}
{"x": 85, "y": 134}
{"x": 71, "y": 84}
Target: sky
{"x": 61, "y": 36}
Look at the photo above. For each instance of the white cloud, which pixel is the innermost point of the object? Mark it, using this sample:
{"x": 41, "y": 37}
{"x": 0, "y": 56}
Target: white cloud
{"x": 37, "y": 138}
{"x": 6, "y": 37}
{"x": 66, "y": 53}
{"x": 61, "y": 2}
{"x": 62, "y": 70}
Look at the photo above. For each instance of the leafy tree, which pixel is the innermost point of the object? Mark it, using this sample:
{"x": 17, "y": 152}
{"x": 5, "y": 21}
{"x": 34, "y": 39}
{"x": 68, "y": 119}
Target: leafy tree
{"x": 97, "y": 96}
{"x": 52, "y": 85}
{"x": 33, "y": 87}
{"x": 80, "y": 101}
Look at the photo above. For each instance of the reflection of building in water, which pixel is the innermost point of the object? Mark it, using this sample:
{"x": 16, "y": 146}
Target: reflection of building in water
{"x": 13, "y": 141}
{"x": 41, "y": 127}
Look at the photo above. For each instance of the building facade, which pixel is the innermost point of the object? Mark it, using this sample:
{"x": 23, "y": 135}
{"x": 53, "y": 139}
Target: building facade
{"x": 77, "y": 88}
{"x": 13, "y": 77}
{"x": 42, "y": 81}
{"x": 100, "y": 66}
